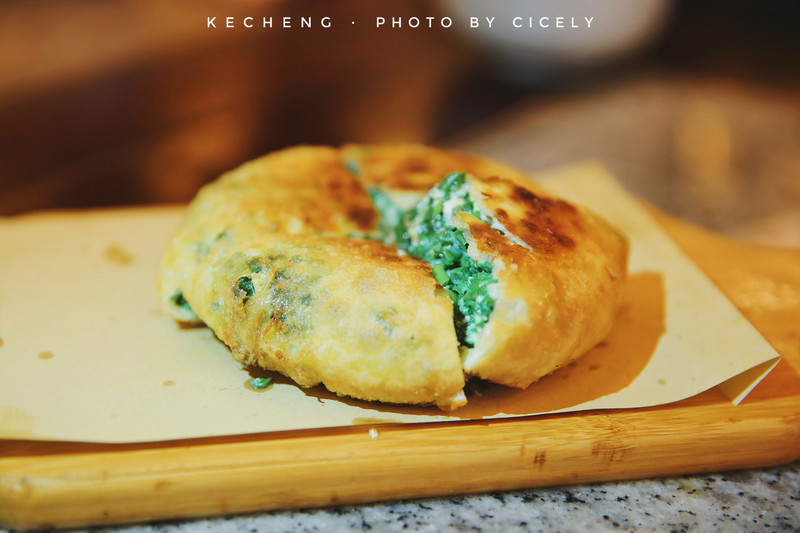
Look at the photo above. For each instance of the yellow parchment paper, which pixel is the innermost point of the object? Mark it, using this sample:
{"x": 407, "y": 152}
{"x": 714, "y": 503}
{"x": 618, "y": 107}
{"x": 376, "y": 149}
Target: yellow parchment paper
{"x": 87, "y": 355}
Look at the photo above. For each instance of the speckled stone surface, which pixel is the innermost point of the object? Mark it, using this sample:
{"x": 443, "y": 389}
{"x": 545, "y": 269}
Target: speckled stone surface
{"x": 749, "y": 500}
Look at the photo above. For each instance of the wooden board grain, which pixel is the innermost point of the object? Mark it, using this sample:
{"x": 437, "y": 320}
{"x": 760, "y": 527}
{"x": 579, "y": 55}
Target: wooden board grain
{"x": 49, "y": 484}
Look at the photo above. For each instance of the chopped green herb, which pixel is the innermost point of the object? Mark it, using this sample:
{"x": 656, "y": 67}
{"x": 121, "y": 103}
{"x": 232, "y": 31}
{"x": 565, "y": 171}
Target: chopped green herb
{"x": 260, "y": 383}
{"x": 180, "y": 301}
{"x": 246, "y": 284}
{"x": 254, "y": 265}
{"x": 444, "y": 246}
{"x": 440, "y": 274}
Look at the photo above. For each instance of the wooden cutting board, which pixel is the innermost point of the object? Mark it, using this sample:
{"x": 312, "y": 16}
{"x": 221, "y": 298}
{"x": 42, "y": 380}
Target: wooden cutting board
{"x": 57, "y": 484}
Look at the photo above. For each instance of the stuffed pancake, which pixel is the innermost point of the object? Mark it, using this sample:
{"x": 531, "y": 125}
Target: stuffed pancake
{"x": 393, "y": 273}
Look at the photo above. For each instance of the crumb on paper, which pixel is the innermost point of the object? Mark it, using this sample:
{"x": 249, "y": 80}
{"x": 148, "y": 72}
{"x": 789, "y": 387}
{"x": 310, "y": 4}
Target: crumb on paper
{"x": 115, "y": 253}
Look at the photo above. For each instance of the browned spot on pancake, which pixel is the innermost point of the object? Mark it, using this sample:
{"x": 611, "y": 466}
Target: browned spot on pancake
{"x": 45, "y": 355}
{"x": 564, "y": 241}
{"x": 364, "y": 217}
{"x": 541, "y": 237}
{"x": 345, "y": 190}
{"x": 488, "y": 238}
{"x": 539, "y": 203}
{"x": 414, "y": 164}
{"x": 545, "y": 224}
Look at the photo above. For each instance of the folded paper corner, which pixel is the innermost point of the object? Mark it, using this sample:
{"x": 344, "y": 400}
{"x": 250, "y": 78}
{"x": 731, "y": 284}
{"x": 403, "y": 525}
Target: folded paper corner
{"x": 740, "y": 385}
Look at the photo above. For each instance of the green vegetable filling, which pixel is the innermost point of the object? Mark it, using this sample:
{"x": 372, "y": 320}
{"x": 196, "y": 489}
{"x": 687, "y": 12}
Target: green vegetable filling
{"x": 180, "y": 301}
{"x": 246, "y": 289}
{"x": 430, "y": 236}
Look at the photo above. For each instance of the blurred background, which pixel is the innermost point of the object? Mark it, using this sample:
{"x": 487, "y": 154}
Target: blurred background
{"x": 695, "y": 106}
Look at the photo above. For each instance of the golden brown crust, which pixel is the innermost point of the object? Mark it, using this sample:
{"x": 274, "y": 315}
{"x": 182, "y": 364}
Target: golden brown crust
{"x": 547, "y": 225}
{"x": 304, "y": 189}
{"x": 559, "y": 293}
{"x": 417, "y": 168}
{"x": 350, "y": 314}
